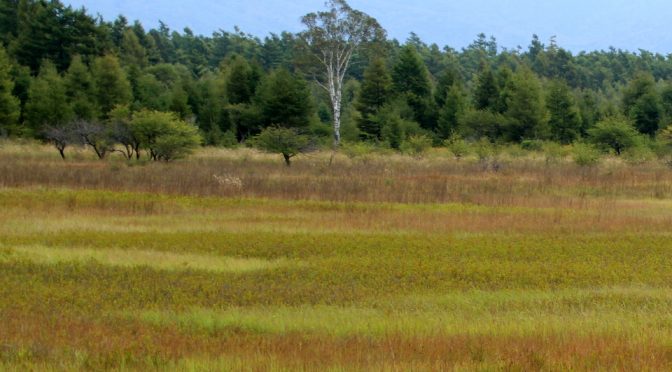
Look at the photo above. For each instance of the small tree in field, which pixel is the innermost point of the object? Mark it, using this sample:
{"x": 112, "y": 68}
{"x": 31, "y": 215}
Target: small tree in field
{"x": 164, "y": 135}
{"x": 285, "y": 141}
{"x": 615, "y": 134}
{"x": 332, "y": 37}
{"x": 94, "y": 134}
{"x": 61, "y": 138}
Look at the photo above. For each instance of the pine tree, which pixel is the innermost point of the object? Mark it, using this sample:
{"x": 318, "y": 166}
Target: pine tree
{"x": 641, "y": 103}
{"x": 446, "y": 82}
{"x": 47, "y": 101}
{"x": 80, "y": 90}
{"x": 132, "y": 52}
{"x": 486, "y": 96}
{"x": 284, "y": 100}
{"x": 451, "y": 112}
{"x": 564, "y": 119}
{"x": 9, "y": 105}
{"x": 112, "y": 86}
{"x": 374, "y": 93}
{"x": 411, "y": 80}
{"x": 525, "y": 108}
{"x": 242, "y": 81}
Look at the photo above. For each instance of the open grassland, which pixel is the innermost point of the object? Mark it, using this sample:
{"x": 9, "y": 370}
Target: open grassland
{"x": 380, "y": 263}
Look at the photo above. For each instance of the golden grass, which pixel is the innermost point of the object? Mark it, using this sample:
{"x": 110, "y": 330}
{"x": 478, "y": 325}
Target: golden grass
{"x": 139, "y": 258}
{"x": 528, "y": 181}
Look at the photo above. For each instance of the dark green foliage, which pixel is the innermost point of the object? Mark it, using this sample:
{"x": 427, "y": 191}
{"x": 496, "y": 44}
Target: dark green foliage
{"x": 486, "y": 95}
{"x": 47, "y": 104}
{"x": 477, "y": 124}
{"x": 284, "y": 100}
{"x": 395, "y": 120}
{"x": 374, "y": 93}
{"x": 50, "y": 30}
{"x": 411, "y": 81}
{"x": 564, "y": 118}
{"x": 132, "y": 52}
{"x": 616, "y": 134}
{"x": 80, "y": 90}
{"x": 112, "y": 86}
{"x": 9, "y": 105}
{"x": 242, "y": 81}
{"x": 642, "y": 104}
{"x": 525, "y": 108}
{"x": 232, "y": 84}
{"x": 450, "y": 113}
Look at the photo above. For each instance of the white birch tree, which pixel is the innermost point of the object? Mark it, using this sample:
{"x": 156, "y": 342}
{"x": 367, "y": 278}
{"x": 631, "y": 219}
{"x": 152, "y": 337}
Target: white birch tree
{"x": 331, "y": 38}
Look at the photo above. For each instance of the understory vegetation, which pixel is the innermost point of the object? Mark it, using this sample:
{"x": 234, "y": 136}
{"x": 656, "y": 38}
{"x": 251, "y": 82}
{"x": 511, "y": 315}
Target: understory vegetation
{"x": 230, "y": 261}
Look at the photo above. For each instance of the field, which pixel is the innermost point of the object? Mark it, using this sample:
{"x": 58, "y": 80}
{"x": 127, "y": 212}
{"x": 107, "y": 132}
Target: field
{"x": 231, "y": 261}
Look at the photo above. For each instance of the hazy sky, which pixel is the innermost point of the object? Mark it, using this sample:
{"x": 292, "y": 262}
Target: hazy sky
{"x": 578, "y": 24}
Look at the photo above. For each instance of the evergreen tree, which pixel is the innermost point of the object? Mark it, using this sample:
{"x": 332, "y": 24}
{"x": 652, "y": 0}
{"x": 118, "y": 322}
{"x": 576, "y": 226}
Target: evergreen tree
{"x": 525, "y": 108}
{"x": 486, "y": 95}
{"x": 451, "y": 112}
{"x": 112, "y": 86}
{"x": 564, "y": 118}
{"x": 242, "y": 81}
{"x": 411, "y": 80}
{"x": 47, "y": 101}
{"x": 9, "y": 105}
{"x": 284, "y": 100}
{"x": 179, "y": 102}
{"x": 642, "y": 103}
{"x": 80, "y": 90}
{"x": 446, "y": 82}
{"x": 646, "y": 113}
{"x": 374, "y": 93}
{"x": 132, "y": 52}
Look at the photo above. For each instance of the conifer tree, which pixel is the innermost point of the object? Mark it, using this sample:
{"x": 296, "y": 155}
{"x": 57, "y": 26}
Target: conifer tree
{"x": 525, "y": 108}
{"x": 9, "y": 105}
{"x": 112, "y": 86}
{"x": 47, "y": 104}
{"x": 451, "y": 112}
{"x": 374, "y": 93}
{"x": 564, "y": 117}
{"x": 487, "y": 93}
{"x": 411, "y": 80}
{"x": 80, "y": 90}
{"x": 284, "y": 100}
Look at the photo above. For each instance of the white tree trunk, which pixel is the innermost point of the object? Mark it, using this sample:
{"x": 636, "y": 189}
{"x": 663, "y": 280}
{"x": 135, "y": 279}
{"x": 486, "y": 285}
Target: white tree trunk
{"x": 336, "y": 108}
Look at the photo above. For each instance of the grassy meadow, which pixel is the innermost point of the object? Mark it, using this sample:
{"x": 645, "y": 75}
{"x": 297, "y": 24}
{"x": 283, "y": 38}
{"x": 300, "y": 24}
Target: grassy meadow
{"x": 231, "y": 261}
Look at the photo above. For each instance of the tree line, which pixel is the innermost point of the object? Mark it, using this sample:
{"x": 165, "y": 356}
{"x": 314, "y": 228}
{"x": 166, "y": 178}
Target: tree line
{"x": 75, "y": 79}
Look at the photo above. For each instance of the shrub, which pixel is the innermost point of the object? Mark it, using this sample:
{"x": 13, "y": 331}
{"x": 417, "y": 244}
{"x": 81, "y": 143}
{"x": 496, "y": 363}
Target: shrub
{"x": 616, "y": 134}
{"x": 163, "y": 135}
{"x": 478, "y": 124}
{"x": 416, "y": 145}
{"x": 457, "y": 146}
{"x": 532, "y": 145}
{"x": 357, "y": 149}
{"x": 586, "y": 155}
{"x": 554, "y": 151}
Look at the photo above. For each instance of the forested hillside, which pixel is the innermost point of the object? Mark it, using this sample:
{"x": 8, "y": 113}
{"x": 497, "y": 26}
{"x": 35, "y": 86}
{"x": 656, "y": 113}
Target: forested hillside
{"x": 60, "y": 65}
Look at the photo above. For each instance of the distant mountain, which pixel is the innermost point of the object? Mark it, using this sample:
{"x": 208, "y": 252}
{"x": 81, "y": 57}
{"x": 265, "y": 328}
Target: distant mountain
{"x": 578, "y": 24}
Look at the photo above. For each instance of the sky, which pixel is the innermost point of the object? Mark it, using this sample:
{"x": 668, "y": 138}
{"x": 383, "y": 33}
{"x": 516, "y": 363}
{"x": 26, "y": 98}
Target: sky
{"x": 578, "y": 25}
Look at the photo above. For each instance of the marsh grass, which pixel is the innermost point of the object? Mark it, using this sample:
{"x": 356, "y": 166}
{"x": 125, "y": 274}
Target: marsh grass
{"x": 139, "y": 258}
{"x": 384, "y": 263}
{"x": 526, "y": 181}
